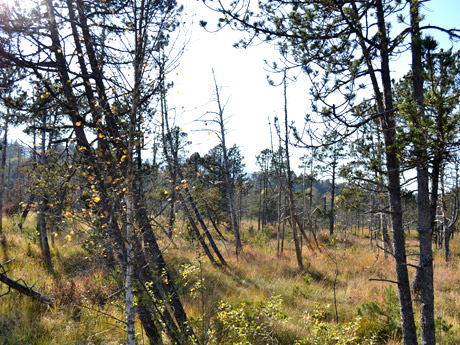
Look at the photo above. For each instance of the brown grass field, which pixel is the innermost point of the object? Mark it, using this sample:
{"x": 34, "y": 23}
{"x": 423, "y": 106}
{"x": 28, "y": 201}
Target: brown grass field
{"x": 86, "y": 313}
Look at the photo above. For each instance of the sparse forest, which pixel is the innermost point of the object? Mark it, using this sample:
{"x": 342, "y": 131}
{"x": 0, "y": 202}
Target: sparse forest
{"x": 113, "y": 230}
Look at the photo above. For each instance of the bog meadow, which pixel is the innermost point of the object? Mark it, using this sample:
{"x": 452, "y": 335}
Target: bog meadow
{"x": 116, "y": 229}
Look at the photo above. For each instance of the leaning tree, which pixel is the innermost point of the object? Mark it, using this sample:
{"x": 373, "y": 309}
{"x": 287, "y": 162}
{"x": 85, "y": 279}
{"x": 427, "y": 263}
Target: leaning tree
{"x": 98, "y": 62}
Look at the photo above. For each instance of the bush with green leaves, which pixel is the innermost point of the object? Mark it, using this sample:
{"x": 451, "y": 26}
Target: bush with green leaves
{"x": 323, "y": 332}
{"x": 246, "y": 324}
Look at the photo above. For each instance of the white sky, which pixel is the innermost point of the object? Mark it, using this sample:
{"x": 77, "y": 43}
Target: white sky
{"x": 242, "y": 75}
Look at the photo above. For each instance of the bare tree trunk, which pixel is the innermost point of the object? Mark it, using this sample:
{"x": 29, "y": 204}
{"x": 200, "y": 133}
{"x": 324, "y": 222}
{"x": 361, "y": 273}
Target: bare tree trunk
{"x": 21, "y": 288}
{"x": 174, "y": 170}
{"x": 213, "y": 222}
{"x": 2, "y": 186}
{"x": 197, "y": 232}
{"x": 289, "y": 182}
{"x": 278, "y": 227}
{"x": 230, "y": 191}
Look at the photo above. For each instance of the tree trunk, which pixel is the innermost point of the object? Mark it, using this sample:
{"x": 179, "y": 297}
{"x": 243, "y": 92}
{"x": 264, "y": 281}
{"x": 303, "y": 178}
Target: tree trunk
{"x": 449, "y": 225}
{"x": 151, "y": 246}
{"x": 197, "y": 232}
{"x": 332, "y": 211}
{"x": 2, "y": 186}
{"x": 129, "y": 296}
{"x": 172, "y": 161}
{"x": 228, "y": 182}
{"x": 388, "y": 125}
{"x": 42, "y": 205}
{"x": 26, "y": 210}
{"x": 385, "y": 236}
{"x": 28, "y": 291}
{"x": 298, "y": 250}
{"x": 259, "y": 217}
{"x": 424, "y": 227}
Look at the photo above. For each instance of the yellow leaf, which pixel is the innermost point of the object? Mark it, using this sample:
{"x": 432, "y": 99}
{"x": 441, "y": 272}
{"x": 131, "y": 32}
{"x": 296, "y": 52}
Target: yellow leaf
{"x": 96, "y": 199}
{"x": 78, "y": 124}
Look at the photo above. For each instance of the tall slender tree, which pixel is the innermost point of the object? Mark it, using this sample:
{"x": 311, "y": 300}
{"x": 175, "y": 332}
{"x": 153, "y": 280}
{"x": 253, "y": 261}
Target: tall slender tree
{"x": 4, "y": 146}
{"x": 335, "y": 44}
{"x": 220, "y": 120}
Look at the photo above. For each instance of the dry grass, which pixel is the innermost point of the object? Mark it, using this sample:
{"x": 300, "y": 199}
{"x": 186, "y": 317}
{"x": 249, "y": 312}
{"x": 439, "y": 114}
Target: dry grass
{"x": 344, "y": 264}
{"x": 24, "y": 321}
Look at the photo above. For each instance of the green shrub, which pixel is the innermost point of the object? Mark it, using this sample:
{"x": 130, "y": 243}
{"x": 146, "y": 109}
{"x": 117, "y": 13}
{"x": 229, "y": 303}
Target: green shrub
{"x": 382, "y": 319}
{"x": 247, "y": 324}
{"x": 445, "y": 332}
{"x": 323, "y": 332}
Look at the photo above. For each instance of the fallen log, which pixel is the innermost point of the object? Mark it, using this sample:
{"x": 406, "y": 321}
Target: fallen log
{"x": 22, "y": 288}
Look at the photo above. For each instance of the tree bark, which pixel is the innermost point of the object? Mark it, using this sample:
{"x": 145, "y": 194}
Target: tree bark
{"x": 332, "y": 211}
{"x": 424, "y": 226}
{"x": 129, "y": 296}
{"x": 42, "y": 205}
{"x": 228, "y": 182}
{"x": 2, "y": 186}
{"x": 394, "y": 187}
{"x": 174, "y": 170}
{"x": 298, "y": 250}
{"x": 13, "y": 284}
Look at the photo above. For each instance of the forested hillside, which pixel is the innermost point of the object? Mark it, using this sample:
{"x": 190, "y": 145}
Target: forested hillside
{"x": 115, "y": 229}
